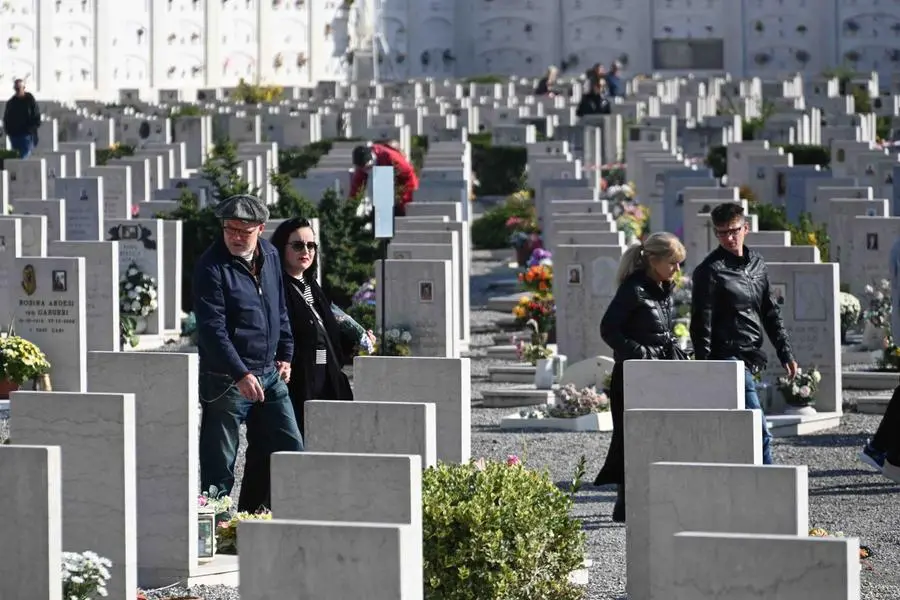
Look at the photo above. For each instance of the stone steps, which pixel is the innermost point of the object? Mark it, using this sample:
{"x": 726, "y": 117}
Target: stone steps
{"x": 873, "y": 404}
{"x": 870, "y": 380}
{"x": 504, "y": 352}
{"x": 515, "y": 397}
{"x": 794, "y": 425}
{"x": 505, "y": 303}
{"x": 511, "y": 373}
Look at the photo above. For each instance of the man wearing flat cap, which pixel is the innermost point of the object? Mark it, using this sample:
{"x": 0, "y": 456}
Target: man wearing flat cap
{"x": 245, "y": 347}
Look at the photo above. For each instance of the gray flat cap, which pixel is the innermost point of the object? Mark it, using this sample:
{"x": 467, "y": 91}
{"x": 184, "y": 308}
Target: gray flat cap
{"x": 242, "y": 207}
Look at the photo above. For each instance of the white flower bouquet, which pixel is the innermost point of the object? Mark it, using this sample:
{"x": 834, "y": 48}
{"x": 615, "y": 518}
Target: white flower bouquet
{"x": 800, "y": 390}
{"x": 878, "y": 296}
{"x": 84, "y": 575}
{"x": 137, "y": 293}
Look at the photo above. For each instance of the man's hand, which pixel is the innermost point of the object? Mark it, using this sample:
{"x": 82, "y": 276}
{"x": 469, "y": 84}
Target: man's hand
{"x": 284, "y": 370}
{"x": 251, "y": 389}
{"x": 791, "y": 369}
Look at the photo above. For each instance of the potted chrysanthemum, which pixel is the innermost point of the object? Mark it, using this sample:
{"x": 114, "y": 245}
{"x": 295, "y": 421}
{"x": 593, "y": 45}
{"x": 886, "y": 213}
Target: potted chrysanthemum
{"x": 21, "y": 361}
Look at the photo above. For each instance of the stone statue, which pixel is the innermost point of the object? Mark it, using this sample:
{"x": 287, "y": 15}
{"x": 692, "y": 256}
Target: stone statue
{"x": 362, "y": 25}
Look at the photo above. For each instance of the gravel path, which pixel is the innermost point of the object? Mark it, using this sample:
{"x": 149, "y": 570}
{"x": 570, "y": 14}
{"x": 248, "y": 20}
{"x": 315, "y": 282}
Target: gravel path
{"x": 844, "y": 495}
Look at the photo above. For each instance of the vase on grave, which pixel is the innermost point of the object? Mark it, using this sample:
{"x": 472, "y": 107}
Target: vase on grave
{"x": 6, "y": 388}
{"x": 873, "y": 337}
{"x": 140, "y": 324}
{"x": 41, "y": 383}
{"x": 543, "y": 374}
{"x": 795, "y": 405}
{"x": 206, "y": 535}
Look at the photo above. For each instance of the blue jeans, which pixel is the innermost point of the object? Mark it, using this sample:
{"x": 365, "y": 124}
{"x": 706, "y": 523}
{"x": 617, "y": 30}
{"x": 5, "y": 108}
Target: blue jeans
{"x": 751, "y": 400}
{"x": 23, "y": 144}
{"x": 271, "y": 427}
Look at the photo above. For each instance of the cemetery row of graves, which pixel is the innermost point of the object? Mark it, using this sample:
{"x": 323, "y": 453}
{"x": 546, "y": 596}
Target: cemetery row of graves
{"x": 125, "y": 426}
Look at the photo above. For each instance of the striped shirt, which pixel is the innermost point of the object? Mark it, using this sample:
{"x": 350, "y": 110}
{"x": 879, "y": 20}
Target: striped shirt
{"x": 306, "y": 292}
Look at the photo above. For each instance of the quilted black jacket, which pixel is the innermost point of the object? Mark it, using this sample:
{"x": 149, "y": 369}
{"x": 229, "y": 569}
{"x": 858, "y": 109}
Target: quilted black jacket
{"x": 638, "y": 322}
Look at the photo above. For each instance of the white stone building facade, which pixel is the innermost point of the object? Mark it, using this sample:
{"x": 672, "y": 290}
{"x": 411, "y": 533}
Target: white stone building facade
{"x": 94, "y": 47}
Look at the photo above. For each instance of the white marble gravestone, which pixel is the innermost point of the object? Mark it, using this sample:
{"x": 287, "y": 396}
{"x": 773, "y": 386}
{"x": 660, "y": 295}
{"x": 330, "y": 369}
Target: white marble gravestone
{"x": 142, "y": 243}
{"x": 84, "y": 207}
{"x": 33, "y": 231}
{"x": 116, "y": 189}
{"x": 807, "y": 296}
{"x": 49, "y": 296}
{"x": 54, "y": 210}
{"x": 32, "y": 522}
{"x": 418, "y": 299}
{"x": 582, "y": 294}
{"x": 102, "y": 284}
{"x": 96, "y": 434}
{"x": 10, "y": 249}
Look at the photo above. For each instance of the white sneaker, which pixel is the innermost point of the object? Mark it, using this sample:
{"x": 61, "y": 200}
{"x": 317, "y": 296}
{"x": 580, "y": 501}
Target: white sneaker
{"x": 891, "y": 471}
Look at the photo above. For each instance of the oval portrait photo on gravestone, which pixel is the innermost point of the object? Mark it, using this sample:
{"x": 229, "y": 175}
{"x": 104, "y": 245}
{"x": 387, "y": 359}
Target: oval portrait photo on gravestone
{"x": 29, "y": 280}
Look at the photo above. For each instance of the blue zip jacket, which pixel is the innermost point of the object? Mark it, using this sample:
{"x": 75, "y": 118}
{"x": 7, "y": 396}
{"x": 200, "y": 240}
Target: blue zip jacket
{"x": 242, "y": 323}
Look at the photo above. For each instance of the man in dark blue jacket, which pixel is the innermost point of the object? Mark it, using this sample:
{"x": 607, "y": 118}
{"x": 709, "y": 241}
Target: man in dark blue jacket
{"x": 245, "y": 347}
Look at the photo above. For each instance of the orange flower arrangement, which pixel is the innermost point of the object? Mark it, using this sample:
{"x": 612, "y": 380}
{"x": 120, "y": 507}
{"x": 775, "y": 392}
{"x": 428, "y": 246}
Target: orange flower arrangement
{"x": 538, "y": 279}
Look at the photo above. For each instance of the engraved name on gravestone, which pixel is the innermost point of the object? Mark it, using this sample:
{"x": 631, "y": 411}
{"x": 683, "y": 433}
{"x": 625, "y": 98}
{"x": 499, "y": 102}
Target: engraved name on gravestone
{"x": 50, "y": 300}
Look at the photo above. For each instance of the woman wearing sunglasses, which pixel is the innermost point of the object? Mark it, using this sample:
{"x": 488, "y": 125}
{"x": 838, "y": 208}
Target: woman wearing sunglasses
{"x": 321, "y": 342}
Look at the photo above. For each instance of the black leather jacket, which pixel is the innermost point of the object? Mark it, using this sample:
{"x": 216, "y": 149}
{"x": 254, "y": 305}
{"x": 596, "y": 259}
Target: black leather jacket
{"x": 731, "y": 308}
{"x": 638, "y": 321}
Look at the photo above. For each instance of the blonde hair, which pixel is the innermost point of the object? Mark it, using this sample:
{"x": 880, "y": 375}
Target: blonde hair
{"x": 662, "y": 245}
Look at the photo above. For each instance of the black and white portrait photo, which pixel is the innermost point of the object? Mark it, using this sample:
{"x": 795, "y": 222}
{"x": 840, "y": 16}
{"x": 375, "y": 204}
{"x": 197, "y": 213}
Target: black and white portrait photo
{"x": 871, "y": 241}
{"x": 60, "y": 283}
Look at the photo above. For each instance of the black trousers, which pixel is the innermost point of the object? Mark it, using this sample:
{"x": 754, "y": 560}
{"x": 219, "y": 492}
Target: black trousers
{"x": 887, "y": 438}
{"x": 613, "y": 470}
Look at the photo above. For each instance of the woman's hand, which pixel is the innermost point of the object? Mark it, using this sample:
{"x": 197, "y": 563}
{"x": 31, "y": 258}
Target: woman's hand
{"x": 371, "y": 336}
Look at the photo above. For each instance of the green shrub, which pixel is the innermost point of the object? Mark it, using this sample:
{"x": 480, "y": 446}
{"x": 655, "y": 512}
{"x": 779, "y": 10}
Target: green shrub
{"x": 104, "y": 155}
{"x": 489, "y": 231}
{"x": 497, "y": 531}
{"x": 487, "y": 79}
{"x": 804, "y": 233}
{"x": 364, "y": 314}
{"x": 500, "y": 170}
{"x": 4, "y": 154}
{"x": 349, "y": 248}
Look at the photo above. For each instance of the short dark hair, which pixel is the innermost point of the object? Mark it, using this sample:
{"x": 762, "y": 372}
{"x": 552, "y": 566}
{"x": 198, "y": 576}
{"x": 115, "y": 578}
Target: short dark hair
{"x": 727, "y": 212}
{"x": 283, "y": 233}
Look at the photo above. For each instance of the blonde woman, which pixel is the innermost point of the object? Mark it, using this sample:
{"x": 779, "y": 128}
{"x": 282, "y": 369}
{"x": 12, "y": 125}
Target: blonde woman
{"x": 638, "y": 325}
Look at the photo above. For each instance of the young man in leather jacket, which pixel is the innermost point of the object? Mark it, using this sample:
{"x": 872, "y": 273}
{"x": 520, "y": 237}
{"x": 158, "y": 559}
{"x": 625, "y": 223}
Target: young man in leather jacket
{"x": 732, "y": 308}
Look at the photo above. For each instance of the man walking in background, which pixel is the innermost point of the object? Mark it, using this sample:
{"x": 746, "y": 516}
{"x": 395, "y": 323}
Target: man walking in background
{"x": 245, "y": 347}
{"x": 732, "y": 308}
{"x": 21, "y": 120}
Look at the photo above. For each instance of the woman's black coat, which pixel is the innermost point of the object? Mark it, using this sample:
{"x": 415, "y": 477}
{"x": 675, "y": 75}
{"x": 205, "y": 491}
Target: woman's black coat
{"x": 305, "y": 332}
{"x": 638, "y": 322}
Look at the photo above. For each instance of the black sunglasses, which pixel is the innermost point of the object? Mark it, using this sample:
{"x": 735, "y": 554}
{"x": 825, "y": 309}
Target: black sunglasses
{"x": 298, "y": 246}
